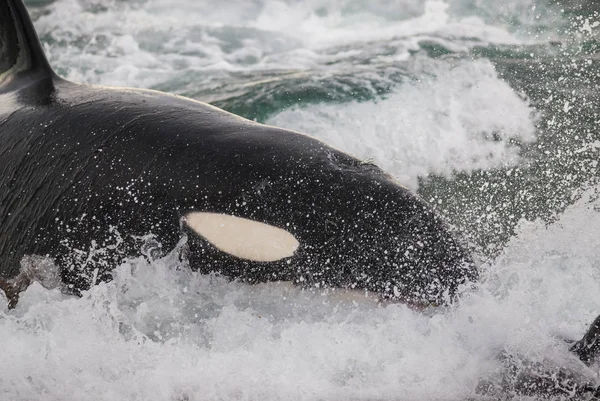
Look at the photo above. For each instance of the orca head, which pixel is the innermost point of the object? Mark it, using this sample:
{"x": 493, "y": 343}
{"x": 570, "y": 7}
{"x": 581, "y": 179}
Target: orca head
{"x": 258, "y": 203}
{"x": 325, "y": 219}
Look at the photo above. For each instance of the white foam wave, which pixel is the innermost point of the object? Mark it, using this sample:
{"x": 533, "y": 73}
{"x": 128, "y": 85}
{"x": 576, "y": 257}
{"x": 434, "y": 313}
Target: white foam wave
{"x": 465, "y": 118}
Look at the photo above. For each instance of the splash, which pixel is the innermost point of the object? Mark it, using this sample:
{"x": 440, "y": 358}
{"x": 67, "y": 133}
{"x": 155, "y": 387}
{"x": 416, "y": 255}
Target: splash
{"x": 160, "y": 331}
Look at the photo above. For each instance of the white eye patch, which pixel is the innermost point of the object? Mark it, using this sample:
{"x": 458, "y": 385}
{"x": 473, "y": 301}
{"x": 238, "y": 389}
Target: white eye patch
{"x": 243, "y": 238}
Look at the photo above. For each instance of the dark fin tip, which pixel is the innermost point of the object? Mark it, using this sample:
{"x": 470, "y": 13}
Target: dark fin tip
{"x": 22, "y": 58}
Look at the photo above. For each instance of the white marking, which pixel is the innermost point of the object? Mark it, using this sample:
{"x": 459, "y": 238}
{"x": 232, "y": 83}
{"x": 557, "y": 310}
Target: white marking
{"x": 243, "y": 238}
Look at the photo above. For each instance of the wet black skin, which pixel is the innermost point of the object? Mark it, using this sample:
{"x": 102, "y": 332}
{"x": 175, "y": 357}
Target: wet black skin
{"x": 82, "y": 166}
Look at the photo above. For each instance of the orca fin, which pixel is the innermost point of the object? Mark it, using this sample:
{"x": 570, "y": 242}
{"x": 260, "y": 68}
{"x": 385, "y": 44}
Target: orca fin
{"x": 588, "y": 348}
{"x": 22, "y": 59}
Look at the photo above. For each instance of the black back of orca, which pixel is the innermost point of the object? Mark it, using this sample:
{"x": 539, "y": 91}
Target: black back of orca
{"x": 87, "y": 171}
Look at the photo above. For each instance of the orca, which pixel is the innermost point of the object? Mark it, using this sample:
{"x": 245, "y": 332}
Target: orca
{"x": 91, "y": 175}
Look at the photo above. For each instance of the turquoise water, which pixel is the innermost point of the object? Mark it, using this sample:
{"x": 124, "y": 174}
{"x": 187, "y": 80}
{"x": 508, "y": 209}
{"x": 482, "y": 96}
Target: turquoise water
{"x": 488, "y": 109}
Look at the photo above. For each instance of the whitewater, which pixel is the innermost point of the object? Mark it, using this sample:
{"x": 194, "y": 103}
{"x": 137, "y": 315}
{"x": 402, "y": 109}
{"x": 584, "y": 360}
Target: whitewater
{"x": 438, "y": 93}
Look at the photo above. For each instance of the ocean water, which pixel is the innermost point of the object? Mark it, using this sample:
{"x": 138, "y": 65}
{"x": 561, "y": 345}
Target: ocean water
{"x": 487, "y": 109}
